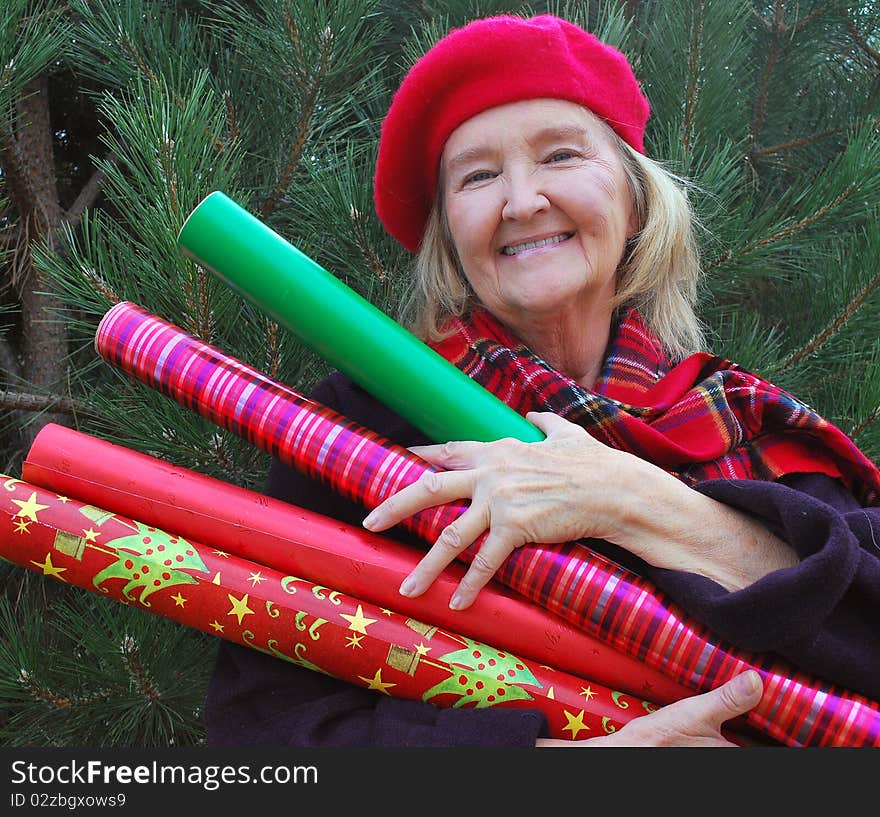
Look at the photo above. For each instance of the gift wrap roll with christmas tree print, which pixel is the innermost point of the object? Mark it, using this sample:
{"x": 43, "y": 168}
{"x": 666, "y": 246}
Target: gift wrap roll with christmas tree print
{"x": 569, "y": 579}
{"x": 344, "y": 328}
{"x": 323, "y": 550}
{"x": 302, "y": 622}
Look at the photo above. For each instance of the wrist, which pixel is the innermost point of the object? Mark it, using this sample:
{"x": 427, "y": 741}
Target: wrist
{"x": 674, "y": 527}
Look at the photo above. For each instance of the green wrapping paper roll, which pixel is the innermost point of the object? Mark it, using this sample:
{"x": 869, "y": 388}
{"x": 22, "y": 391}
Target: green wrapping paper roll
{"x": 345, "y": 329}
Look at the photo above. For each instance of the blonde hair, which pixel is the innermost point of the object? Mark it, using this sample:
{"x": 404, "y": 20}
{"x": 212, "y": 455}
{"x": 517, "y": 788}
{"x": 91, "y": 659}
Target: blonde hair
{"x": 658, "y": 274}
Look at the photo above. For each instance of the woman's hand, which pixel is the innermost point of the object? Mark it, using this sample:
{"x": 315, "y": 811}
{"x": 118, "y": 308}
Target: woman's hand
{"x": 571, "y": 486}
{"x": 695, "y": 721}
{"x": 566, "y": 487}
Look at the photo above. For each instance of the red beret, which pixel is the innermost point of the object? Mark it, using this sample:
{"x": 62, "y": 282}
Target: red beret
{"x": 486, "y": 63}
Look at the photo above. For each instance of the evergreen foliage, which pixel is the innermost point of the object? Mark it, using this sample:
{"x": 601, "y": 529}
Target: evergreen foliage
{"x": 769, "y": 108}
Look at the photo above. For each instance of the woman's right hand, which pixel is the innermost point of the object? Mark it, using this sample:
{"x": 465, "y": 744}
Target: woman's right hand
{"x": 694, "y": 721}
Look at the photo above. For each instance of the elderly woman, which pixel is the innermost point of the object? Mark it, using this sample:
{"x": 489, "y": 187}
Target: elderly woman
{"x": 556, "y": 265}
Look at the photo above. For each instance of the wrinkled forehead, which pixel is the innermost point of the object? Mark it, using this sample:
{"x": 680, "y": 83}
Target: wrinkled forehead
{"x": 532, "y": 122}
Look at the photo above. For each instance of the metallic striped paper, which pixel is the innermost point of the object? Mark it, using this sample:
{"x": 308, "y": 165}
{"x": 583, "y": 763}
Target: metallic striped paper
{"x": 569, "y": 579}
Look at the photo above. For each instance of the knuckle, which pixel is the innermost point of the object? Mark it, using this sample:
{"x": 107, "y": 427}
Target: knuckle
{"x": 512, "y": 447}
{"x": 449, "y": 450}
{"x": 470, "y": 585}
{"x": 450, "y": 538}
{"x": 431, "y": 482}
{"x": 483, "y": 565}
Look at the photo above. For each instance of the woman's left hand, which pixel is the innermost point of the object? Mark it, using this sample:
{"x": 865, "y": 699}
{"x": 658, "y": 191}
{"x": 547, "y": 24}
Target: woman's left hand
{"x": 566, "y": 487}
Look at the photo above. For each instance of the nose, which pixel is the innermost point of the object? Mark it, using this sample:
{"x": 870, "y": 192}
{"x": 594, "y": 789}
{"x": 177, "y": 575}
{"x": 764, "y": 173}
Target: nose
{"x": 523, "y": 197}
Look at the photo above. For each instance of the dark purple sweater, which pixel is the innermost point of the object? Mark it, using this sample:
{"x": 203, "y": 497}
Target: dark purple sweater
{"x": 822, "y": 616}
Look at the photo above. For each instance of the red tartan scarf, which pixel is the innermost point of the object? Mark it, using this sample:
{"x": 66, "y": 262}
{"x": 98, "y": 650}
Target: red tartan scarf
{"x": 704, "y": 418}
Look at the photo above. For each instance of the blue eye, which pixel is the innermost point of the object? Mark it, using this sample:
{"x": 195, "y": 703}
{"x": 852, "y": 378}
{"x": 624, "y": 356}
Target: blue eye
{"x": 479, "y": 176}
{"x": 561, "y": 156}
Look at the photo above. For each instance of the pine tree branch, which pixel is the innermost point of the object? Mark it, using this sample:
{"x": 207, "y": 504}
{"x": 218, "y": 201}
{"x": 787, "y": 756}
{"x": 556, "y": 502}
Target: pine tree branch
{"x": 88, "y": 195}
{"x": 199, "y": 319}
{"x": 138, "y": 58}
{"x": 325, "y": 40}
{"x": 861, "y": 426}
{"x": 366, "y": 247}
{"x": 807, "y": 221}
{"x": 693, "y": 90}
{"x": 761, "y": 19}
{"x": 24, "y": 401}
{"x": 860, "y": 41}
{"x": 45, "y": 695}
{"x": 780, "y": 27}
{"x": 136, "y": 670}
{"x": 232, "y": 120}
{"x": 7, "y": 234}
{"x": 796, "y": 143}
{"x": 787, "y": 232}
{"x": 99, "y": 285}
{"x": 832, "y": 328}
{"x": 764, "y": 83}
{"x": 798, "y": 24}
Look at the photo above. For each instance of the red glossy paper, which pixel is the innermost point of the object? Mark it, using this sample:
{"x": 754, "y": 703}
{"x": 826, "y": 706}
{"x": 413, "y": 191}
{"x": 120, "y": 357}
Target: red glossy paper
{"x": 280, "y": 614}
{"x": 353, "y": 560}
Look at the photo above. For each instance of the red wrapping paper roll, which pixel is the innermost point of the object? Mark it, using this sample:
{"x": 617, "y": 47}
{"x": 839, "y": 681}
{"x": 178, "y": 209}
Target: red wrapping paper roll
{"x": 569, "y": 579}
{"x": 320, "y": 549}
{"x": 293, "y": 619}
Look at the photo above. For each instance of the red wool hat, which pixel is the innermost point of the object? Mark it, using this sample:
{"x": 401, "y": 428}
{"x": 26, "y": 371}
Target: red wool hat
{"x": 484, "y": 64}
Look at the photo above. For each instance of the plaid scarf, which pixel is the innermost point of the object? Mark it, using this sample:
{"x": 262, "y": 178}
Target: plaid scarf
{"x": 704, "y": 418}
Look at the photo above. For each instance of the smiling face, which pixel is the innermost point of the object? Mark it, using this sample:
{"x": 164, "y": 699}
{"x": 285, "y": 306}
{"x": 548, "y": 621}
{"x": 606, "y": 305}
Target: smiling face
{"x": 539, "y": 211}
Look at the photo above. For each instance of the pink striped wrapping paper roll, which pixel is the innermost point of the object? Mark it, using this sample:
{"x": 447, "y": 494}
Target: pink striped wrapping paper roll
{"x": 569, "y": 579}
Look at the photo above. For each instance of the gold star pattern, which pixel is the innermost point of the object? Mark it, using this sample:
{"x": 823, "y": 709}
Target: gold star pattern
{"x": 63, "y": 499}
{"x": 48, "y": 568}
{"x": 387, "y": 612}
{"x": 30, "y": 507}
{"x": 239, "y": 607}
{"x": 377, "y": 683}
{"x": 551, "y": 694}
{"x": 256, "y": 578}
{"x": 575, "y": 723}
{"x": 222, "y": 553}
{"x": 421, "y": 649}
{"x": 91, "y": 535}
{"x": 358, "y": 622}
{"x": 21, "y": 526}
{"x": 588, "y": 693}
{"x": 179, "y": 600}
{"x": 354, "y": 640}
{"x": 218, "y": 627}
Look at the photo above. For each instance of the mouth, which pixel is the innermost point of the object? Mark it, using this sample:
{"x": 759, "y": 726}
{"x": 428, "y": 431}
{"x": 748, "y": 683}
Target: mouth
{"x": 515, "y": 249}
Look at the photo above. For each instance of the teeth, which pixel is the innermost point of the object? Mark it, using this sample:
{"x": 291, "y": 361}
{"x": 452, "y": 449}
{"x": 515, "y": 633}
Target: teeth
{"x": 531, "y": 245}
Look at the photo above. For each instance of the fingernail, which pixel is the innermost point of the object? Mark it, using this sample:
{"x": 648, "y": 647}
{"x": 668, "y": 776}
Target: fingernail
{"x": 370, "y": 519}
{"x": 456, "y": 602}
{"x": 407, "y": 586}
{"x": 748, "y": 683}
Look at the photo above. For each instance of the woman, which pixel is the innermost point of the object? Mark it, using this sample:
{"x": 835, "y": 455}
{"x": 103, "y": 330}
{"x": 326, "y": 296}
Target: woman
{"x": 555, "y": 264}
